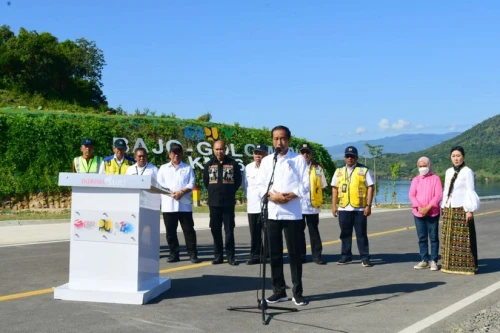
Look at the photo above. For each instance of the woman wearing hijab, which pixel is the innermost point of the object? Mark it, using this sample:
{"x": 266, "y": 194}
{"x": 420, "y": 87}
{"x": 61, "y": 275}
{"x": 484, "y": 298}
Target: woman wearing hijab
{"x": 425, "y": 196}
{"x": 460, "y": 201}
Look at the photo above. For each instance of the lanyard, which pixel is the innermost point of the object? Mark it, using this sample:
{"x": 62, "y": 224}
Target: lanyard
{"x": 137, "y": 170}
{"x": 348, "y": 175}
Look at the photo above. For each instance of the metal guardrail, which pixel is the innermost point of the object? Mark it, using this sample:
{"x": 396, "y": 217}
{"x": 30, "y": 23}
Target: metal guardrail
{"x": 490, "y": 198}
{"x": 482, "y": 199}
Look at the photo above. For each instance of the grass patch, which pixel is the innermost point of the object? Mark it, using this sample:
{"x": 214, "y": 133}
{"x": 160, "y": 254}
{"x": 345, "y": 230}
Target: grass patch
{"x": 7, "y": 215}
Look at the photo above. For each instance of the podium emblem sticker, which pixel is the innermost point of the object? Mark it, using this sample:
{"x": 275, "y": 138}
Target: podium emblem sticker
{"x": 125, "y": 227}
{"x": 105, "y": 225}
{"x": 81, "y": 224}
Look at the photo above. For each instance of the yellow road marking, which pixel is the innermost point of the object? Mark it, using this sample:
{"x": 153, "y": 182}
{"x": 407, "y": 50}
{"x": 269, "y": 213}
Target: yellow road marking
{"x": 27, "y": 294}
{"x": 193, "y": 266}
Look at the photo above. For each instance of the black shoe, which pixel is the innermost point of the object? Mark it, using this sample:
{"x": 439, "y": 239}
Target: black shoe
{"x": 173, "y": 259}
{"x": 344, "y": 261}
{"x": 366, "y": 263}
{"x": 195, "y": 260}
{"x": 217, "y": 261}
{"x": 232, "y": 262}
{"x": 319, "y": 261}
{"x": 253, "y": 261}
{"x": 300, "y": 300}
{"x": 275, "y": 298}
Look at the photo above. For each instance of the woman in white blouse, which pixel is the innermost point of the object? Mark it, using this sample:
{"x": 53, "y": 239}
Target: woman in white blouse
{"x": 460, "y": 201}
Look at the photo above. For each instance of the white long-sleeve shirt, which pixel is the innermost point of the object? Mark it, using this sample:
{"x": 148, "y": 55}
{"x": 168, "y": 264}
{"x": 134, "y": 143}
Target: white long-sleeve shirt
{"x": 250, "y": 186}
{"x": 148, "y": 169}
{"x": 290, "y": 175}
{"x": 463, "y": 193}
{"x": 176, "y": 179}
{"x": 307, "y": 207}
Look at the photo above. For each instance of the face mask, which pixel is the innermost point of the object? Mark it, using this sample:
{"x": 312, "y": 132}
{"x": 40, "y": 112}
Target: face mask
{"x": 423, "y": 171}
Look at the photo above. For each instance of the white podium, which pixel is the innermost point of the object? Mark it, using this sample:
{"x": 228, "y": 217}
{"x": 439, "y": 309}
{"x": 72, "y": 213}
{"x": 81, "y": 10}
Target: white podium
{"x": 115, "y": 239}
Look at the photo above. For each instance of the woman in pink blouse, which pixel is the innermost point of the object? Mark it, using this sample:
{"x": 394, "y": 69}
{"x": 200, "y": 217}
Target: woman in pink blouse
{"x": 425, "y": 195}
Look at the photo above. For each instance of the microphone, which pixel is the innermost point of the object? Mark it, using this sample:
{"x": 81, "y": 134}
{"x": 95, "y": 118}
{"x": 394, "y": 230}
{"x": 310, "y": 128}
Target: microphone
{"x": 276, "y": 152}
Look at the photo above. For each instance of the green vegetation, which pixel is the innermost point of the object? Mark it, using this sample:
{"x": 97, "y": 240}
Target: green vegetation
{"x": 482, "y": 154}
{"x": 43, "y": 143}
{"x": 50, "y": 73}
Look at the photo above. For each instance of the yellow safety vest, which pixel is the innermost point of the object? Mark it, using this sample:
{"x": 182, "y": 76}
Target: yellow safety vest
{"x": 81, "y": 165}
{"x": 315, "y": 177}
{"x": 112, "y": 168}
{"x": 352, "y": 190}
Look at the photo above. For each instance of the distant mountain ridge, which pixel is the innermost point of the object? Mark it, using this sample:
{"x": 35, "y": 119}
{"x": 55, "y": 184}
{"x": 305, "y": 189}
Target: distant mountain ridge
{"x": 482, "y": 154}
{"x": 399, "y": 144}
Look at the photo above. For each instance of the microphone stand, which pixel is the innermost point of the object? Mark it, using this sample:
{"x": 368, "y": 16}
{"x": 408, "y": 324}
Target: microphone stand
{"x": 266, "y": 243}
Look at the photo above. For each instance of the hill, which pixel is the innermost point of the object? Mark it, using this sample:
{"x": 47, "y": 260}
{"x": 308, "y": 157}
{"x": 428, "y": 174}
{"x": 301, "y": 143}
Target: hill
{"x": 482, "y": 154}
{"x": 399, "y": 144}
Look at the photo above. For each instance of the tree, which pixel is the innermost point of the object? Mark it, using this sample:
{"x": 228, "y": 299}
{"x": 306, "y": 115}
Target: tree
{"x": 394, "y": 176}
{"x": 375, "y": 151}
{"x": 205, "y": 117}
{"x": 5, "y": 34}
{"x": 37, "y": 63}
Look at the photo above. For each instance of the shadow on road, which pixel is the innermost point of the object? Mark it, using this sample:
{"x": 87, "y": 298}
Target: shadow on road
{"x": 489, "y": 265}
{"x": 205, "y": 252}
{"x": 392, "y": 290}
{"x": 377, "y": 258}
{"x": 211, "y": 285}
{"x": 394, "y": 258}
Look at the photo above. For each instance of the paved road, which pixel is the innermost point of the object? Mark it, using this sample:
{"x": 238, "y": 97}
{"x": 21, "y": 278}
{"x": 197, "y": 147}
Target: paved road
{"x": 388, "y": 297}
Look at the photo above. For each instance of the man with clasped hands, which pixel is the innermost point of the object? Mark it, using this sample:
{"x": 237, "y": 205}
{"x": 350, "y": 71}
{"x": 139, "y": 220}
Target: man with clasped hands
{"x": 291, "y": 182}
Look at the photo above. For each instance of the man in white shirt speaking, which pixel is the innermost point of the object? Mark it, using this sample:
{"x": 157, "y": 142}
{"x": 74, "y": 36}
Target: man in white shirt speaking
{"x": 250, "y": 186}
{"x": 142, "y": 167}
{"x": 288, "y": 176}
{"x": 179, "y": 178}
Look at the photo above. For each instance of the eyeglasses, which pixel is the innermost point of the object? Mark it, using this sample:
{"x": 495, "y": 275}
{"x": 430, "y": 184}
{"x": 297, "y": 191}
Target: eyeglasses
{"x": 350, "y": 156}
{"x": 176, "y": 152}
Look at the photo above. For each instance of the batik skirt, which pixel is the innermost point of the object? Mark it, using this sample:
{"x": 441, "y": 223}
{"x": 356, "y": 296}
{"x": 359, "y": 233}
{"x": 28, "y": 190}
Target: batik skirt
{"x": 458, "y": 243}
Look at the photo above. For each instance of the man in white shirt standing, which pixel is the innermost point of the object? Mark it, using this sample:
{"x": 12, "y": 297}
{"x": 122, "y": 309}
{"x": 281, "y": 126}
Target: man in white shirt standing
{"x": 142, "y": 167}
{"x": 254, "y": 203}
{"x": 287, "y": 172}
{"x": 178, "y": 177}
{"x": 311, "y": 205}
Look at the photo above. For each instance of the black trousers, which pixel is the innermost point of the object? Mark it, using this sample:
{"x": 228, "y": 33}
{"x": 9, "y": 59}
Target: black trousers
{"x": 255, "y": 224}
{"x": 222, "y": 216}
{"x": 348, "y": 220}
{"x": 292, "y": 230}
{"x": 312, "y": 222}
{"x": 171, "y": 221}
{"x": 473, "y": 241}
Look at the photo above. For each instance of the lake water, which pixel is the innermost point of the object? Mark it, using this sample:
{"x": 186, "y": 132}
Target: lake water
{"x": 403, "y": 187}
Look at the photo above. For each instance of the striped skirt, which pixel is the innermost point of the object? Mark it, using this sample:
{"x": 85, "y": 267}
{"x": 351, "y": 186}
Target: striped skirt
{"x": 458, "y": 243}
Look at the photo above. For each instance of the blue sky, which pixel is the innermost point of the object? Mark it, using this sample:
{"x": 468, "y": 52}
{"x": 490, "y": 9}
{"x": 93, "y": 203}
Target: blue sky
{"x": 332, "y": 71}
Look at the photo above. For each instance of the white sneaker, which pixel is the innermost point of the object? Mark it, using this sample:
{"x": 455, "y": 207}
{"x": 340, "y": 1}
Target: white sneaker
{"x": 421, "y": 265}
{"x": 434, "y": 266}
